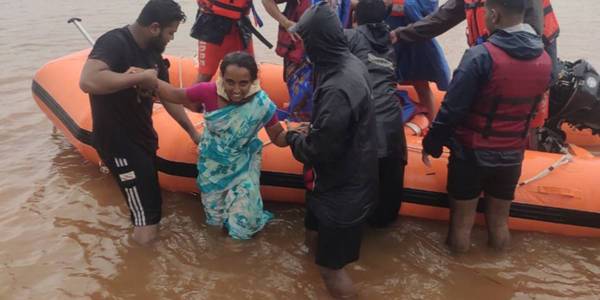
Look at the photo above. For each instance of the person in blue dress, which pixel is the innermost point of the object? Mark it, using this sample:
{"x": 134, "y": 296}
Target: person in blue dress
{"x": 421, "y": 62}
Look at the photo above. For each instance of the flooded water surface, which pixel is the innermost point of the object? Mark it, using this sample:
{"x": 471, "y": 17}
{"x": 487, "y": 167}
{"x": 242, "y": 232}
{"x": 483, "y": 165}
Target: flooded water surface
{"x": 64, "y": 225}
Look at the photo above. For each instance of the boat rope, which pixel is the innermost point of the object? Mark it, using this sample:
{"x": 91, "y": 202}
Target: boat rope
{"x": 565, "y": 159}
{"x": 415, "y": 128}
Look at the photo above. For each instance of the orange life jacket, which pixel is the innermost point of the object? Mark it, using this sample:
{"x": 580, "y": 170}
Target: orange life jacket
{"x": 477, "y": 32}
{"x": 232, "y": 9}
{"x": 551, "y": 28}
{"x": 292, "y": 50}
{"x": 397, "y": 8}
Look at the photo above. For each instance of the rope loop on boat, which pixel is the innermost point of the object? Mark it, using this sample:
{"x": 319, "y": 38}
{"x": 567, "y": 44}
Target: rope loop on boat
{"x": 563, "y": 160}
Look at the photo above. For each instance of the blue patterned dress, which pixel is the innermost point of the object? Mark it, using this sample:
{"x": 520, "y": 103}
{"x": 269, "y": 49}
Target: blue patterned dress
{"x": 229, "y": 166}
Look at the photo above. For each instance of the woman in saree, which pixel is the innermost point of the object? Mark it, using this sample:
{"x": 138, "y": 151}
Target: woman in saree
{"x": 235, "y": 110}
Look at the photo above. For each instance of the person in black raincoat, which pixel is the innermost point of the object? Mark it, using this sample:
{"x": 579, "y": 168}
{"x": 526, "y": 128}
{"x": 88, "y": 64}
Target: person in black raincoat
{"x": 370, "y": 42}
{"x": 339, "y": 151}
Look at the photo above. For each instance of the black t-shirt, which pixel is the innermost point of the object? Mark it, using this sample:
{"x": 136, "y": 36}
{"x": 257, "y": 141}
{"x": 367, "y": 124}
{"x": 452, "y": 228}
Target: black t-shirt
{"x": 124, "y": 117}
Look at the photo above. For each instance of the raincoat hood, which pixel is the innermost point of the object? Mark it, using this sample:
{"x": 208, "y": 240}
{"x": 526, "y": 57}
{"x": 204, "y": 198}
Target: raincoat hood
{"x": 378, "y": 35}
{"x": 520, "y": 41}
{"x": 322, "y": 35}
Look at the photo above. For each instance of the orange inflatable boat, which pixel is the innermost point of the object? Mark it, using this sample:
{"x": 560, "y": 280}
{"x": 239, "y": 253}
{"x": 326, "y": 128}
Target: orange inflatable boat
{"x": 557, "y": 194}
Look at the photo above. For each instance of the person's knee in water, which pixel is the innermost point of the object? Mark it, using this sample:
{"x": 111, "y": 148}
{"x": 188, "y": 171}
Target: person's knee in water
{"x": 339, "y": 152}
{"x": 123, "y": 68}
{"x": 482, "y": 124}
{"x": 497, "y": 212}
{"x": 462, "y": 217}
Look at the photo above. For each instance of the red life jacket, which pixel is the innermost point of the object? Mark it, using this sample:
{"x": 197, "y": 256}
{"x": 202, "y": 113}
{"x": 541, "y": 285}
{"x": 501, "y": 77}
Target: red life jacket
{"x": 551, "y": 28}
{"x": 287, "y": 48}
{"x": 475, "y": 15}
{"x": 499, "y": 118}
{"x": 477, "y": 31}
{"x": 232, "y": 9}
{"x": 397, "y": 8}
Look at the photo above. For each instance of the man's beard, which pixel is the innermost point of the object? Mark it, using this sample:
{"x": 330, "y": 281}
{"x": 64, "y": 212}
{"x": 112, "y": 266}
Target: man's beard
{"x": 157, "y": 44}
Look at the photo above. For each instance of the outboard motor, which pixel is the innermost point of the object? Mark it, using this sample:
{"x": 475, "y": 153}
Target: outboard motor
{"x": 575, "y": 100}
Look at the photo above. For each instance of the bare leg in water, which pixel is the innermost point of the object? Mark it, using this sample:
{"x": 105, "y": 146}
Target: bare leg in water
{"x": 496, "y": 217}
{"x": 144, "y": 235}
{"x": 310, "y": 241}
{"x": 338, "y": 283}
{"x": 462, "y": 218}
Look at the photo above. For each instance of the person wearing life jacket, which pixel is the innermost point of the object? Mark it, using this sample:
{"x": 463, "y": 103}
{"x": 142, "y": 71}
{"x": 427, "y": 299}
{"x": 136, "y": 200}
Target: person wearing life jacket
{"x": 538, "y": 13}
{"x": 221, "y": 27}
{"x": 453, "y": 12}
{"x": 484, "y": 121}
{"x": 549, "y": 29}
{"x": 289, "y": 45}
{"x": 297, "y": 70}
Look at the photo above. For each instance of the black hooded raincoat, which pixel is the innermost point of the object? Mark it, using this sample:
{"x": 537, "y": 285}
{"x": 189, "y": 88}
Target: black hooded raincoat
{"x": 340, "y": 149}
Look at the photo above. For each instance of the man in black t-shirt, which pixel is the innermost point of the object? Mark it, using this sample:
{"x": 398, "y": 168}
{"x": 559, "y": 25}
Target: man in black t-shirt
{"x": 121, "y": 104}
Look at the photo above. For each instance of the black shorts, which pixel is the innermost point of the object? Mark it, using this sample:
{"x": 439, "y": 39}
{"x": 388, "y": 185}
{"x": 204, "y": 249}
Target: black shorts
{"x": 336, "y": 247}
{"x": 467, "y": 180}
{"x": 135, "y": 171}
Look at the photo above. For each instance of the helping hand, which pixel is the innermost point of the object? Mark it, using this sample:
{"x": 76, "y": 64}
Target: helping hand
{"x": 134, "y": 70}
{"x": 148, "y": 84}
{"x": 393, "y": 37}
{"x": 148, "y": 78}
{"x": 302, "y": 127}
{"x": 293, "y": 35}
